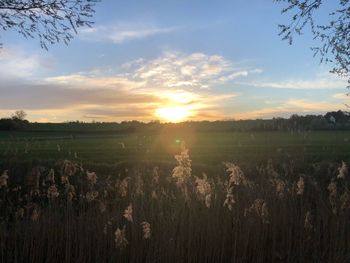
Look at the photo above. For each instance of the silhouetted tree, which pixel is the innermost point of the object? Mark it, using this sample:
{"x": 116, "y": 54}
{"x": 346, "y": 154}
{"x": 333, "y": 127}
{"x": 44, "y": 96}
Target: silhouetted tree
{"x": 20, "y": 115}
{"x": 51, "y": 21}
{"x": 16, "y": 122}
{"x": 334, "y": 35}
{"x": 340, "y": 117}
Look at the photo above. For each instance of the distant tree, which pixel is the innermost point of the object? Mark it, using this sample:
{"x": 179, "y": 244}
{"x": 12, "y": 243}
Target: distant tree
{"x": 52, "y": 21}
{"x": 319, "y": 123}
{"x": 334, "y": 34}
{"x": 16, "y": 122}
{"x": 338, "y": 117}
{"x": 20, "y": 115}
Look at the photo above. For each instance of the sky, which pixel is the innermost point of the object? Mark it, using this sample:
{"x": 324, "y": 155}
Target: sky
{"x": 170, "y": 61}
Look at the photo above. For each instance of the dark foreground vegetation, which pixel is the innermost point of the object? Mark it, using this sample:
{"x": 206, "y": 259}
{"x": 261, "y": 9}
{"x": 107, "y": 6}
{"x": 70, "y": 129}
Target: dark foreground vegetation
{"x": 272, "y": 212}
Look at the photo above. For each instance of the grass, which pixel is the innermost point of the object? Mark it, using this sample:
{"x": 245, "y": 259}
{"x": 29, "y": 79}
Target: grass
{"x": 206, "y": 148}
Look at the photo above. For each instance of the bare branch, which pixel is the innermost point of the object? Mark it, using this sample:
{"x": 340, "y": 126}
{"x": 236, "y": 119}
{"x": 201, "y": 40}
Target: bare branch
{"x": 334, "y": 36}
{"x": 52, "y": 21}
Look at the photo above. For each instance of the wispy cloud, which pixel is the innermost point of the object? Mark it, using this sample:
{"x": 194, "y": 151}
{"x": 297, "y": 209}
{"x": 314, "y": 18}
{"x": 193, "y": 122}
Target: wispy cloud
{"x": 342, "y": 96}
{"x": 193, "y": 71}
{"x": 16, "y": 63}
{"x": 292, "y": 106}
{"x": 121, "y": 33}
{"x": 328, "y": 82}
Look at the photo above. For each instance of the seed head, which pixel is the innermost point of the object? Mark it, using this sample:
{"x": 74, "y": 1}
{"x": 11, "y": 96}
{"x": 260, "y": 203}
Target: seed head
{"x": 120, "y": 238}
{"x": 332, "y": 188}
{"x": 35, "y": 215}
{"x": 68, "y": 168}
{"x": 183, "y": 170}
{"x": 229, "y": 201}
{"x": 91, "y": 195}
{"x": 128, "y": 213}
{"x": 122, "y": 186}
{"x": 259, "y": 207}
{"x": 300, "y": 186}
{"x": 236, "y": 176}
{"x": 52, "y": 192}
{"x": 3, "y": 179}
{"x": 308, "y": 221}
{"x": 146, "y": 229}
{"x": 51, "y": 176}
{"x": 91, "y": 177}
{"x": 343, "y": 170}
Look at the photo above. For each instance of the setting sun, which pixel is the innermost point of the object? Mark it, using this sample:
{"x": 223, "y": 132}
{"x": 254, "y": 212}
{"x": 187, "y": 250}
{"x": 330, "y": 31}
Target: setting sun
{"x": 173, "y": 114}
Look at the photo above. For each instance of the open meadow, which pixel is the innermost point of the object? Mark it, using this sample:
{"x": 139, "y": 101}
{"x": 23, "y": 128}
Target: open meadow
{"x": 207, "y": 148}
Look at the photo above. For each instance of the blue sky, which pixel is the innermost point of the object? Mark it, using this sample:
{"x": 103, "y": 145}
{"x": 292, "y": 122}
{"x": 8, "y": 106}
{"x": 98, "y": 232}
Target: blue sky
{"x": 170, "y": 60}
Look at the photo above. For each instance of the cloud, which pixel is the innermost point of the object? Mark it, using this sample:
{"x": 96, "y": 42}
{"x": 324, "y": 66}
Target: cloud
{"x": 341, "y": 96}
{"x": 121, "y": 33}
{"x": 53, "y": 96}
{"x": 292, "y": 106}
{"x": 96, "y": 82}
{"x": 171, "y": 80}
{"x": 328, "y": 82}
{"x": 171, "y": 70}
{"x": 16, "y": 63}
{"x": 194, "y": 71}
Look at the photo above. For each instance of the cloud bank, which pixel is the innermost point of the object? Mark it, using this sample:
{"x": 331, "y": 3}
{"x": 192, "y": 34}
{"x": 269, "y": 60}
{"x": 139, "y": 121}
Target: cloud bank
{"x": 173, "y": 79}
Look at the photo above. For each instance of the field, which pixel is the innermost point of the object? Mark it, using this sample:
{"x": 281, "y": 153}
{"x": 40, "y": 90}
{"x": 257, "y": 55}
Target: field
{"x": 175, "y": 196}
{"x": 208, "y": 148}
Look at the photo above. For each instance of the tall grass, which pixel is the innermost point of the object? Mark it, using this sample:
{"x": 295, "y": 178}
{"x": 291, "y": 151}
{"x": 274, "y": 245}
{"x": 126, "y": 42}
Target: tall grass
{"x": 68, "y": 214}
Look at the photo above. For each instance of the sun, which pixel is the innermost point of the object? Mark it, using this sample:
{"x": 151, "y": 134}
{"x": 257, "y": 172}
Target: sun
{"x": 174, "y": 114}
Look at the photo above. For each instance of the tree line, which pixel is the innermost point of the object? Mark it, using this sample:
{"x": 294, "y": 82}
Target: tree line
{"x": 335, "y": 120}
{"x": 16, "y": 122}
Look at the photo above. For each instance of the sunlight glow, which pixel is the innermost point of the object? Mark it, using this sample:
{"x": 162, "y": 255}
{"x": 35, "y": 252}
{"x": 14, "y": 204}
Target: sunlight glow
{"x": 174, "y": 114}
{"x": 180, "y": 96}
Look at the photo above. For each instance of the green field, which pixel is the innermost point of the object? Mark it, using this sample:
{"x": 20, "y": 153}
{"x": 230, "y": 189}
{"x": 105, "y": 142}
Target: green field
{"x": 209, "y": 148}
